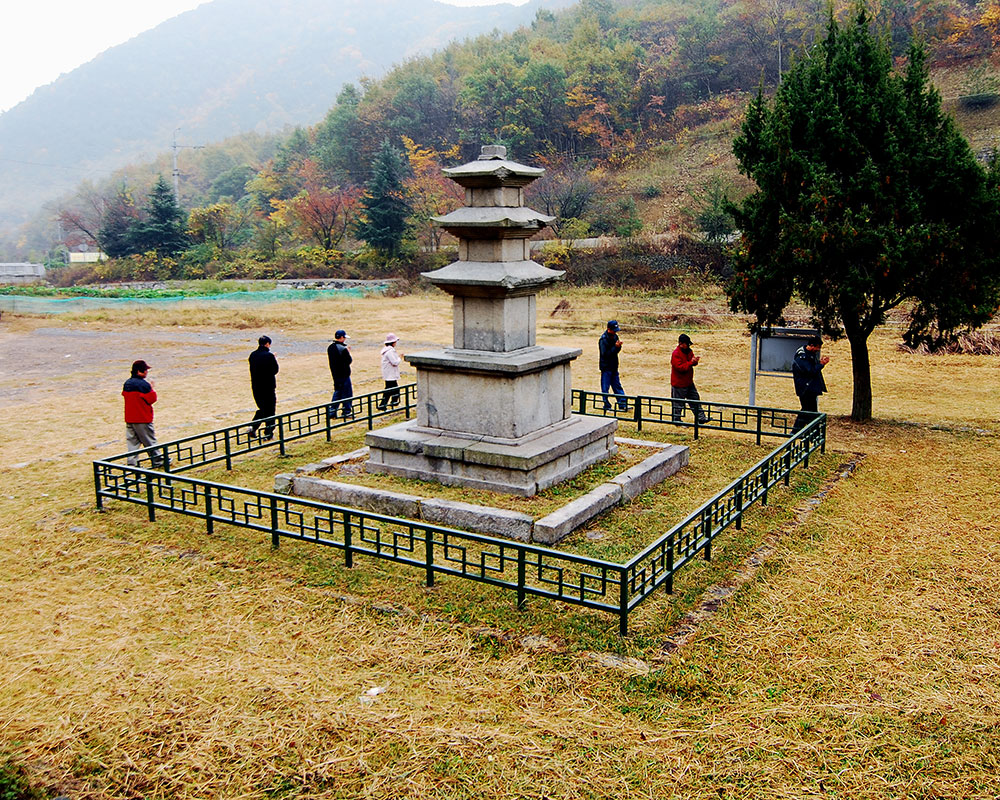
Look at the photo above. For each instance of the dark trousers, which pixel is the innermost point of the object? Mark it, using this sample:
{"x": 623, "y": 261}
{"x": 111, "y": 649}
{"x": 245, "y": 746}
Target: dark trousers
{"x": 808, "y": 402}
{"x": 390, "y": 396}
{"x": 266, "y": 403}
{"x": 342, "y": 391}
{"x": 690, "y": 394}
{"x": 610, "y": 382}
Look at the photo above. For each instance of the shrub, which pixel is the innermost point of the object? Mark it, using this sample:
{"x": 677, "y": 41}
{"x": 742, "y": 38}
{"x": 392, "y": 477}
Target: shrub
{"x": 14, "y": 783}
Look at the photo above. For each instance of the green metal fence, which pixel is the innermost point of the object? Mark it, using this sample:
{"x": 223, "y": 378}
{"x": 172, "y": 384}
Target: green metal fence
{"x": 528, "y": 570}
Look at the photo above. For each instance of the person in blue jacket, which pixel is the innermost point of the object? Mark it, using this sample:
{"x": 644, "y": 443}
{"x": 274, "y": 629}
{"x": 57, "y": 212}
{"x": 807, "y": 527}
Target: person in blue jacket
{"x": 807, "y": 372}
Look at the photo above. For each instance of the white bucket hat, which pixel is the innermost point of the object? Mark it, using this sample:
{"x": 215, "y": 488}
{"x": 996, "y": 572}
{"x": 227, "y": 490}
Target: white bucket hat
{"x": 391, "y": 338}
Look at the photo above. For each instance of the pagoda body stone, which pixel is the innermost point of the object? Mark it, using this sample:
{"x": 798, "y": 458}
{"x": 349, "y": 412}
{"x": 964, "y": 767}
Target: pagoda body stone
{"x": 493, "y": 410}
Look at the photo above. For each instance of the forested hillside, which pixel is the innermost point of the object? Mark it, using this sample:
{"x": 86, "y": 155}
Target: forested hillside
{"x": 588, "y": 93}
{"x": 227, "y": 67}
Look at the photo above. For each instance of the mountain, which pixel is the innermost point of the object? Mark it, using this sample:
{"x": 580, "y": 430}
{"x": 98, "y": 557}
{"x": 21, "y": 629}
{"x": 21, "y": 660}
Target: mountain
{"x": 227, "y": 67}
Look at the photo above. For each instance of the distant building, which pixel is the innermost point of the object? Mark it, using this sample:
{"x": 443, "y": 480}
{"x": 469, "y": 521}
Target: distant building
{"x": 90, "y": 257}
{"x": 22, "y": 273}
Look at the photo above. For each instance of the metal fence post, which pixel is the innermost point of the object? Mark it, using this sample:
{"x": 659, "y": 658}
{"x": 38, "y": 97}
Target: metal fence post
{"x": 521, "y": 595}
{"x": 670, "y": 563}
{"x": 348, "y": 553}
{"x": 739, "y": 504}
{"x": 623, "y": 602}
{"x": 788, "y": 463}
{"x": 281, "y": 435}
{"x": 97, "y": 487}
{"x": 229, "y": 451}
{"x": 149, "y": 498}
{"x": 765, "y": 471}
{"x": 760, "y": 424}
{"x": 209, "y": 523}
{"x": 637, "y": 412}
{"x": 275, "y": 538}
{"x": 706, "y": 527}
{"x": 429, "y": 555}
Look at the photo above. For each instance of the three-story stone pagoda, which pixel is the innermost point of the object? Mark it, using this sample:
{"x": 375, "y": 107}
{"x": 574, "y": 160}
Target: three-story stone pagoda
{"x": 494, "y": 409}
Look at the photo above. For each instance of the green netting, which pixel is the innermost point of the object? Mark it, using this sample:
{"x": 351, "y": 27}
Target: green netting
{"x": 58, "y": 305}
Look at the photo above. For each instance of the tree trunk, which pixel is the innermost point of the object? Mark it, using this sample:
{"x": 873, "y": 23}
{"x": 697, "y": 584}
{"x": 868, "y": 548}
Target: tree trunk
{"x": 861, "y": 410}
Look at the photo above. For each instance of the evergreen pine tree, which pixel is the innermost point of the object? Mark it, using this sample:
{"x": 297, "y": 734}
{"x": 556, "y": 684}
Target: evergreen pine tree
{"x": 867, "y": 198}
{"x": 385, "y": 209}
{"x": 162, "y": 227}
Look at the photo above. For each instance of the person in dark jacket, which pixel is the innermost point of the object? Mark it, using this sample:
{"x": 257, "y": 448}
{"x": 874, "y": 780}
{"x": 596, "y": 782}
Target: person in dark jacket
{"x": 139, "y": 397}
{"x": 340, "y": 368}
{"x": 609, "y": 345}
{"x": 263, "y": 368}
{"x": 807, "y": 373}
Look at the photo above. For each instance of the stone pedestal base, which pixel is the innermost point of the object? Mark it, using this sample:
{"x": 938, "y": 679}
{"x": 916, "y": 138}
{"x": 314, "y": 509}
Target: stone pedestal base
{"x": 522, "y": 466}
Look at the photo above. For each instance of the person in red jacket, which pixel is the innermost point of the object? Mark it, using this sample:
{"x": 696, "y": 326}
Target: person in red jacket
{"x": 139, "y": 398}
{"x": 682, "y": 364}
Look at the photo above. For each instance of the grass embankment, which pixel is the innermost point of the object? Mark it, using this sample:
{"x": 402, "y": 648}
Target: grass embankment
{"x": 151, "y": 660}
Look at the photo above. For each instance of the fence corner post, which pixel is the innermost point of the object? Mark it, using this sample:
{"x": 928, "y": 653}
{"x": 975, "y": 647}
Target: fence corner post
{"x": 97, "y": 487}
{"x": 623, "y": 602}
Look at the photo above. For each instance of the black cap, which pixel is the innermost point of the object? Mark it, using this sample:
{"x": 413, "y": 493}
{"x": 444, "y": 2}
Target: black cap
{"x": 340, "y": 333}
{"x": 684, "y": 339}
{"x": 613, "y": 325}
{"x": 139, "y": 366}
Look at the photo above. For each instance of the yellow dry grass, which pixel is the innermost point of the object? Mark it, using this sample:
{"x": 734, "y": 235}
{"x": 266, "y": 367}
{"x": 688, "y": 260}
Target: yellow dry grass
{"x": 150, "y": 660}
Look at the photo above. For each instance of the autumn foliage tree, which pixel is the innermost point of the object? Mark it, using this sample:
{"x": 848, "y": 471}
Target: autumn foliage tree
{"x": 868, "y": 198}
{"x": 223, "y": 225}
{"x": 430, "y": 193}
{"x": 319, "y": 213}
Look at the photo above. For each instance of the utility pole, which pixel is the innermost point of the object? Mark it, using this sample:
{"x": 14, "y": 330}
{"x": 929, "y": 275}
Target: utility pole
{"x": 177, "y": 172}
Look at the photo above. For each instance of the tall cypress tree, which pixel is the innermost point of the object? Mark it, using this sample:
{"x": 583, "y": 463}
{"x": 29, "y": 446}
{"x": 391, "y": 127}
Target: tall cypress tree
{"x": 162, "y": 227}
{"x": 867, "y": 198}
{"x": 385, "y": 209}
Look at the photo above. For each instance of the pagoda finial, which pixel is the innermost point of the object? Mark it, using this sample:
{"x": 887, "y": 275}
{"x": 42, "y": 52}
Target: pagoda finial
{"x": 492, "y": 151}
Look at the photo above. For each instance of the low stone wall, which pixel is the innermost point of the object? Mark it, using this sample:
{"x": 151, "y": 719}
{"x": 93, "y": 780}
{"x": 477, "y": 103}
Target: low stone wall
{"x": 514, "y": 525}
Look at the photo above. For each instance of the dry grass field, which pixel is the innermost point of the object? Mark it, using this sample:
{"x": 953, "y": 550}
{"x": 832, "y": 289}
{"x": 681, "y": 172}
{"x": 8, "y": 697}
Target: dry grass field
{"x": 139, "y": 660}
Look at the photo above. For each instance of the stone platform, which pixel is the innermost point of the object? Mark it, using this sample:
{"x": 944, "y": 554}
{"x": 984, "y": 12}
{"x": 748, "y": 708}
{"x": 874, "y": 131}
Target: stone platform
{"x": 552, "y": 528}
{"x": 522, "y": 466}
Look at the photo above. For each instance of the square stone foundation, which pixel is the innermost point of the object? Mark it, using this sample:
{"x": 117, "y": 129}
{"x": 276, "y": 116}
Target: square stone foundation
{"x": 522, "y": 466}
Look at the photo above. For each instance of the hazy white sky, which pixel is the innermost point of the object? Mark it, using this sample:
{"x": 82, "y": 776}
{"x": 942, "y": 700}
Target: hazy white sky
{"x": 42, "y": 39}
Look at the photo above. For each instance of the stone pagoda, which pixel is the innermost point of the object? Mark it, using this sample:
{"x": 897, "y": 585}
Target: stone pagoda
{"x": 493, "y": 410}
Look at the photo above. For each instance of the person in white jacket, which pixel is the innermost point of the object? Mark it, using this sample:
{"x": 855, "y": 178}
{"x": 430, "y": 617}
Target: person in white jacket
{"x": 391, "y": 359}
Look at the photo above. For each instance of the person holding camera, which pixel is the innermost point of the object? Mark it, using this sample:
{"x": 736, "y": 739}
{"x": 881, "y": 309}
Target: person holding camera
{"x": 682, "y": 364}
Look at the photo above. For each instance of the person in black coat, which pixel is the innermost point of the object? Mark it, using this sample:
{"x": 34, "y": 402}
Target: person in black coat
{"x": 339, "y": 355}
{"x": 609, "y": 346}
{"x": 807, "y": 373}
{"x": 263, "y": 368}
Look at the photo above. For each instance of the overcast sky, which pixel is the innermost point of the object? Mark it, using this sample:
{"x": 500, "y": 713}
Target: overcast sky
{"x": 45, "y": 38}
